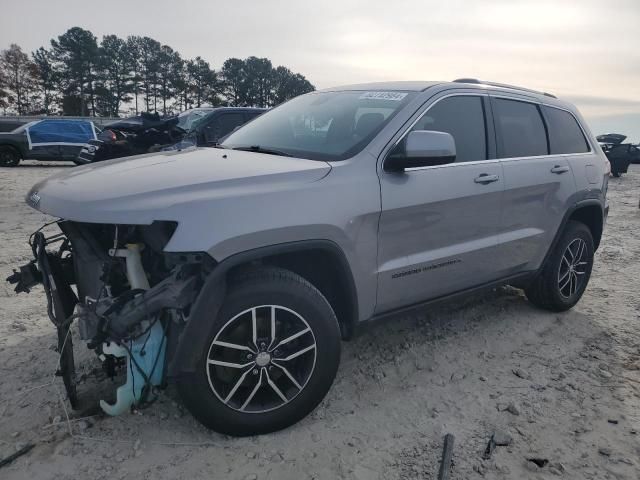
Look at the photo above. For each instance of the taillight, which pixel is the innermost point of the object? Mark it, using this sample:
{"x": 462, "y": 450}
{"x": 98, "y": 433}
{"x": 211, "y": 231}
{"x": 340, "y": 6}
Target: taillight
{"x": 108, "y": 136}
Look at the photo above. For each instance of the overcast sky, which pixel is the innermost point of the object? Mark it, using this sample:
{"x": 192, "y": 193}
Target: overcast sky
{"x": 587, "y": 51}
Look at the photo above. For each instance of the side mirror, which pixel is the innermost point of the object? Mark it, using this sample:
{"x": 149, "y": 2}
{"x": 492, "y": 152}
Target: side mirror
{"x": 422, "y": 148}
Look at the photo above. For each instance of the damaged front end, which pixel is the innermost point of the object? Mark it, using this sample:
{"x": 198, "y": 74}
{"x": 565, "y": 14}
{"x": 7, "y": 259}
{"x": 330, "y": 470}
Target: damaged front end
{"x": 130, "y": 298}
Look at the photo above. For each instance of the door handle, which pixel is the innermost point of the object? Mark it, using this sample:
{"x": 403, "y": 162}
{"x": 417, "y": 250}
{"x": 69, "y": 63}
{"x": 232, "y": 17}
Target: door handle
{"x": 485, "y": 178}
{"x": 559, "y": 169}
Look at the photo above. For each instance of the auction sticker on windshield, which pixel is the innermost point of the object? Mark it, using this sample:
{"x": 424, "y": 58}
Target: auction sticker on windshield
{"x": 395, "y": 96}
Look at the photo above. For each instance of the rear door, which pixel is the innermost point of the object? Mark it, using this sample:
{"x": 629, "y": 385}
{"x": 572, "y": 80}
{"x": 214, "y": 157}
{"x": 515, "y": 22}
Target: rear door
{"x": 439, "y": 224}
{"x": 538, "y": 183}
{"x": 75, "y": 135}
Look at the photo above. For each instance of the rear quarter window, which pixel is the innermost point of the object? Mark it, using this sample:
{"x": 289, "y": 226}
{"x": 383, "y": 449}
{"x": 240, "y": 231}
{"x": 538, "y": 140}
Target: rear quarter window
{"x": 565, "y": 135}
{"x": 521, "y": 131}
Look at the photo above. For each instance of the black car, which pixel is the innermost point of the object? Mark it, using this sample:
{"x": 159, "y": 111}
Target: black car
{"x": 50, "y": 139}
{"x": 143, "y": 133}
{"x": 208, "y": 130}
{"x": 149, "y": 133}
{"x": 620, "y": 154}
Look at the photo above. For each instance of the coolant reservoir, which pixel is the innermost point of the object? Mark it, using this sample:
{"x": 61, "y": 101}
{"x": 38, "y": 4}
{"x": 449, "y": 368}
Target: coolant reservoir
{"x": 145, "y": 355}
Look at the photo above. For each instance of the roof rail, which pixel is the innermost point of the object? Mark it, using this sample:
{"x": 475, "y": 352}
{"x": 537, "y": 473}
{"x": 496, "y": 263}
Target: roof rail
{"x": 503, "y": 85}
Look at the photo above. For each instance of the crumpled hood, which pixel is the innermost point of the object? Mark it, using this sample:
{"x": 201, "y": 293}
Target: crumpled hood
{"x": 144, "y": 188}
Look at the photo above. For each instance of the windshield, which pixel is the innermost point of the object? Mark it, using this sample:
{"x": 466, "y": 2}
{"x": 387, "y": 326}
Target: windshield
{"x": 188, "y": 118}
{"x": 321, "y": 126}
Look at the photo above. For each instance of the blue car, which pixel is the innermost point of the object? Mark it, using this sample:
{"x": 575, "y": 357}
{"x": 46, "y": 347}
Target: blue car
{"x": 50, "y": 139}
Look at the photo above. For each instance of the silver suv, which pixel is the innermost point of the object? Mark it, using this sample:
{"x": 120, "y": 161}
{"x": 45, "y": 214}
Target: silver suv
{"x": 236, "y": 271}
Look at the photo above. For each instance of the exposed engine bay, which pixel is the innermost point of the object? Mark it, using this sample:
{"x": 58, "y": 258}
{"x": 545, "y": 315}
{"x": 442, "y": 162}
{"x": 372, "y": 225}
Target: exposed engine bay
{"x": 131, "y": 300}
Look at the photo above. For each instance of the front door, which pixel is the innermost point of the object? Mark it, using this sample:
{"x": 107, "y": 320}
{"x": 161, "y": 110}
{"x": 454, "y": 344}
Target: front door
{"x": 439, "y": 225}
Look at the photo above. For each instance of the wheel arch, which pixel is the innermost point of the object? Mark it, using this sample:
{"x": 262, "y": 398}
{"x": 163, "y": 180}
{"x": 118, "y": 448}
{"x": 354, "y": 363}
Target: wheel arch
{"x": 591, "y": 214}
{"x": 321, "y": 262}
{"x": 13, "y": 147}
{"x": 317, "y": 261}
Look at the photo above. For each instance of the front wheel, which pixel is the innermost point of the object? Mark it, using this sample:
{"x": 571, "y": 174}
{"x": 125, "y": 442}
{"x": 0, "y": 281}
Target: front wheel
{"x": 271, "y": 356}
{"x": 9, "y": 157}
{"x": 565, "y": 275}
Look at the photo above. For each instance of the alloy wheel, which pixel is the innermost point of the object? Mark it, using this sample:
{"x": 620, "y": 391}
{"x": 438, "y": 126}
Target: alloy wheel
{"x": 261, "y": 359}
{"x": 573, "y": 267}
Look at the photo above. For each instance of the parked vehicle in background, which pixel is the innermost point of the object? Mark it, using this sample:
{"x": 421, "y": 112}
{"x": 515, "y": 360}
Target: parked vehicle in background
{"x": 148, "y": 133}
{"x": 620, "y": 154}
{"x": 10, "y": 124}
{"x": 188, "y": 117}
{"x": 143, "y": 133}
{"x": 251, "y": 261}
{"x": 45, "y": 140}
{"x": 216, "y": 123}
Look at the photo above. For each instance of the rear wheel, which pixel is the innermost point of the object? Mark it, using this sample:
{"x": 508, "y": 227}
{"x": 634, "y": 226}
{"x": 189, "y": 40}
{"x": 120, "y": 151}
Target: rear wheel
{"x": 9, "y": 157}
{"x": 271, "y": 356}
{"x": 565, "y": 275}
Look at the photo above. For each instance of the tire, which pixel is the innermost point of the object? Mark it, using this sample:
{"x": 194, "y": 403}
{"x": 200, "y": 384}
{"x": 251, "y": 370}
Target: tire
{"x": 297, "y": 305}
{"x": 9, "y": 157}
{"x": 616, "y": 174}
{"x": 550, "y": 290}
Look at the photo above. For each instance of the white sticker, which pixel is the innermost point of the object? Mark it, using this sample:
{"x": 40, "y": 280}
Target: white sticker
{"x": 394, "y": 96}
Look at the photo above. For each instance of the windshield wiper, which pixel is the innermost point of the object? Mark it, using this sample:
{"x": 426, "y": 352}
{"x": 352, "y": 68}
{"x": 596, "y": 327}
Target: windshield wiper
{"x": 259, "y": 149}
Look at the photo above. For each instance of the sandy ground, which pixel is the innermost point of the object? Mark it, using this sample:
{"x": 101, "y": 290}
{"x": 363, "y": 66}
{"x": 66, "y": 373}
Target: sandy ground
{"x": 564, "y": 387}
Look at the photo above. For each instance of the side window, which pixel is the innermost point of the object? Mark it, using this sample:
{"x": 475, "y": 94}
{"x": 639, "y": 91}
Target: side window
{"x": 210, "y": 130}
{"x": 462, "y": 117}
{"x": 565, "y": 135}
{"x": 251, "y": 115}
{"x": 222, "y": 125}
{"x": 521, "y": 131}
{"x": 229, "y": 121}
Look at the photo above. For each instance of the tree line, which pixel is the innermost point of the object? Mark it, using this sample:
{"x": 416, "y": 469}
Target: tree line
{"x": 80, "y": 75}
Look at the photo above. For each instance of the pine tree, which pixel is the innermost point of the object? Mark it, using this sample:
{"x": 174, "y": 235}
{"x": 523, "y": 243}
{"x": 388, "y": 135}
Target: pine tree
{"x": 76, "y": 55}
{"x": 18, "y": 71}
{"x": 84, "y": 77}
{"x": 233, "y": 80}
{"x": 46, "y": 79}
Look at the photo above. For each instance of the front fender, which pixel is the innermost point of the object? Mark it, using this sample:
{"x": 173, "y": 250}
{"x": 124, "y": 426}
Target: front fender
{"x": 192, "y": 340}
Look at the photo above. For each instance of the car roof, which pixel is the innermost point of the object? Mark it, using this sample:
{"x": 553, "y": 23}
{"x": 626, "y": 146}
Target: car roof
{"x": 470, "y": 83}
{"x": 388, "y": 86}
{"x": 210, "y": 110}
{"x": 240, "y": 108}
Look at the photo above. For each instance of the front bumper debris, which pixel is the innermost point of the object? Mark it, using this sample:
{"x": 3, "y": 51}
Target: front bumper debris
{"x": 120, "y": 315}
{"x": 51, "y": 270}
